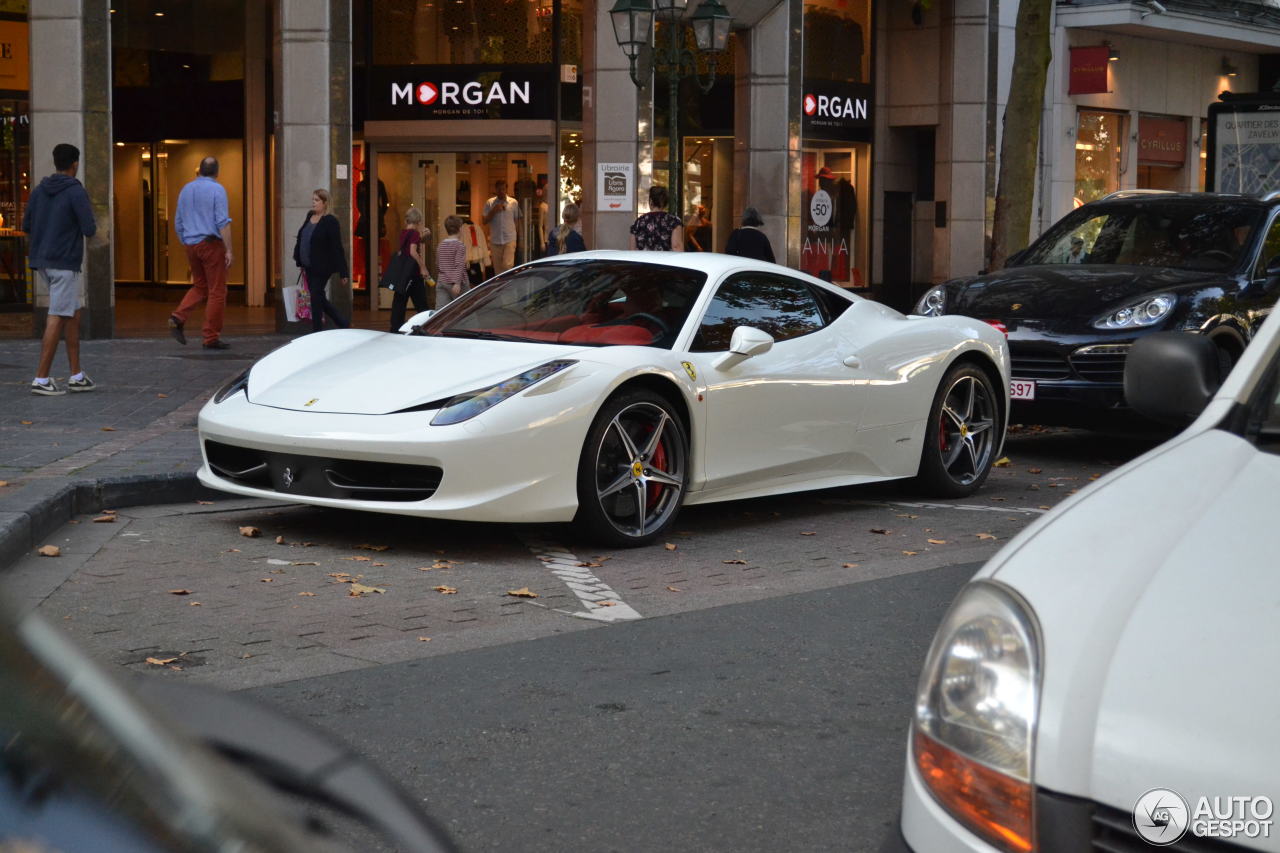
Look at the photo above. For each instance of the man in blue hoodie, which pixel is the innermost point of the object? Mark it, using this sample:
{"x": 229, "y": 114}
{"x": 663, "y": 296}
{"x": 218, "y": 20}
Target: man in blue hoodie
{"x": 57, "y": 219}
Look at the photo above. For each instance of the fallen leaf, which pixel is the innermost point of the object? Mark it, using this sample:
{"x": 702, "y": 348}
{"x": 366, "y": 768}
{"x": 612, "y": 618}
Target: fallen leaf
{"x": 50, "y": 551}
{"x": 607, "y": 603}
{"x": 808, "y": 533}
{"x": 669, "y": 546}
{"x": 522, "y": 592}
{"x": 1045, "y": 506}
{"x": 1034, "y": 470}
{"x": 25, "y": 423}
{"x": 205, "y": 503}
{"x": 104, "y": 519}
{"x": 425, "y": 568}
{"x": 591, "y": 564}
{"x": 232, "y": 551}
{"x": 377, "y": 564}
{"x": 1033, "y": 488}
{"x": 848, "y": 565}
{"x": 108, "y": 429}
{"x": 1073, "y": 491}
{"x": 359, "y": 559}
{"x": 882, "y": 531}
{"x": 194, "y": 604}
{"x": 1002, "y": 462}
{"x": 361, "y": 589}
{"x": 424, "y": 639}
{"x": 163, "y": 396}
{"x": 245, "y": 656}
{"x": 367, "y": 547}
{"x": 304, "y": 563}
{"x": 278, "y": 571}
{"x": 342, "y": 576}
{"x": 251, "y": 532}
{"x": 308, "y": 594}
{"x": 447, "y": 590}
{"x": 267, "y": 580}
{"x": 675, "y": 589}
{"x": 734, "y": 562}
{"x": 937, "y": 542}
{"x": 279, "y": 540}
{"x": 907, "y": 515}
{"x": 160, "y": 661}
{"x": 911, "y": 553}
{"x": 1000, "y": 499}
{"x": 108, "y": 512}
{"x": 1094, "y": 476}
{"x": 179, "y": 592}
{"x": 442, "y": 564}
{"x": 3, "y": 483}
{"x": 986, "y": 536}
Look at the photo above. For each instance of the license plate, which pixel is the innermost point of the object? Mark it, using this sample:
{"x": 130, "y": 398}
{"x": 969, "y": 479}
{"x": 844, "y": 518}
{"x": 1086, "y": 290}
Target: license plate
{"x": 1022, "y": 389}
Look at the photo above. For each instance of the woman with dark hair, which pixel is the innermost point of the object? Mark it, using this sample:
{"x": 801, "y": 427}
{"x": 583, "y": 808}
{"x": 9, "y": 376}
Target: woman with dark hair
{"x": 318, "y": 252}
{"x": 749, "y": 241}
{"x": 657, "y": 230}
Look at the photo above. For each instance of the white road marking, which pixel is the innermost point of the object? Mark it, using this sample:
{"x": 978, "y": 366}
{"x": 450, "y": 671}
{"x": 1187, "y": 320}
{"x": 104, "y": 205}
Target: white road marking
{"x": 1026, "y": 510}
{"x": 602, "y": 603}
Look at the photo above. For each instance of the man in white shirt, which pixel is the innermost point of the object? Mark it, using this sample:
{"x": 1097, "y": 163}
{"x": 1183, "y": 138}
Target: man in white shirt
{"x": 501, "y": 213}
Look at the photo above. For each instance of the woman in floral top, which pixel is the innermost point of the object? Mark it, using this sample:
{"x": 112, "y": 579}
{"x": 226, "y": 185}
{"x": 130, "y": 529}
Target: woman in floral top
{"x": 657, "y": 230}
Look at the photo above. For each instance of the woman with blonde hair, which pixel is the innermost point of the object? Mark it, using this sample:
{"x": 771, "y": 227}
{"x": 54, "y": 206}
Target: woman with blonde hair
{"x": 318, "y": 252}
{"x": 565, "y": 238}
{"x": 411, "y": 242}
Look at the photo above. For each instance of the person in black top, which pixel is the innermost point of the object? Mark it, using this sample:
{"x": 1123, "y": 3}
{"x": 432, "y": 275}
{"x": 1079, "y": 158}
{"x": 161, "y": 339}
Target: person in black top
{"x": 319, "y": 253}
{"x": 749, "y": 241}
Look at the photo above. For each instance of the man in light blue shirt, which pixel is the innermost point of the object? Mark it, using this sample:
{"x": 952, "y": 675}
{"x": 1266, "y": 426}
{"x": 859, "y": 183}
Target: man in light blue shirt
{"x": 204, "y": 228}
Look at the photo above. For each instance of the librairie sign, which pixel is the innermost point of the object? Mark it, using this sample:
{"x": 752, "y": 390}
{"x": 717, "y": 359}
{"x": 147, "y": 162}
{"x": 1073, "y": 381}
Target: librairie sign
{"x": 838, "y": 111}
{"x": 434, "y": 92}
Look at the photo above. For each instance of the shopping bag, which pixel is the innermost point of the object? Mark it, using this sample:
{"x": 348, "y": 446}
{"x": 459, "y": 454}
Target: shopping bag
{"x": 289, "y": 294}
{"x": 304, "y": 300}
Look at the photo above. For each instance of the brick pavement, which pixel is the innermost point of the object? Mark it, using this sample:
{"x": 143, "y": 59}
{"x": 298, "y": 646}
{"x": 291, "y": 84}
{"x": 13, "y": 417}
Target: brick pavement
{"x": 131, "y": 440}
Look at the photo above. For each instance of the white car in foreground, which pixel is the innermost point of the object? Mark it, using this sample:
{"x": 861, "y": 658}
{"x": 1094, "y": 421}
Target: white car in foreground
{"x": 610, "y": 388}
{"x": 1108, "y": 681}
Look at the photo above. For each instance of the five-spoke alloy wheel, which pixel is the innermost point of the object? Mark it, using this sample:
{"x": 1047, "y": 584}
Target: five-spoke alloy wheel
{"x": 634, "y": 470}
{"x": 962, "y": 434}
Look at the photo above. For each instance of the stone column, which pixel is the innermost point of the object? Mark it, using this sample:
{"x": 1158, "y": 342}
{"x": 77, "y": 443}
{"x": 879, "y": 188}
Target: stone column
{"x": 71, "y": 102}
{"x": 313, "y": 126}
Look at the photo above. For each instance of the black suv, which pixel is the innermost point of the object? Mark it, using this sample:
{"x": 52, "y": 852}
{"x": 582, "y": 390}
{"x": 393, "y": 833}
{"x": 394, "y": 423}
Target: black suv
{"x": 1112, "y": 271}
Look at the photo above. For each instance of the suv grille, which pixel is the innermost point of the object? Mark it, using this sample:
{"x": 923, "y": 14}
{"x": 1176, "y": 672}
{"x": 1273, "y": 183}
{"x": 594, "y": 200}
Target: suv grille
{"x": 322, "y": 477}
{"x": 1039, "y": 365}
{"x": 1101, "y": 363}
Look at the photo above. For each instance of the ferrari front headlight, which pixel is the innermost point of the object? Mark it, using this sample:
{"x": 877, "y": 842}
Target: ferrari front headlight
{"x": 976, "y": 710}
{"x": 464, "y": 407}
{"x": 933, "y": 303}
{"x": 240, "y": 383}
{"x": 1144, "y": 312}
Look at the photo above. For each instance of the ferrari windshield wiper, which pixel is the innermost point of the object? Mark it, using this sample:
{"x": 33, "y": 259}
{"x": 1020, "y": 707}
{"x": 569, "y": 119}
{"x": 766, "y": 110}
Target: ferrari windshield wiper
{"x": 478, "y": 334}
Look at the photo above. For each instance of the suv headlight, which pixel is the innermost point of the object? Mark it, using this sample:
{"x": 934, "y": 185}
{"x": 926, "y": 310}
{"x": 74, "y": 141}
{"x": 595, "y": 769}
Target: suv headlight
{"x": 976, "y": 710}
{"x": 933, "y": 303}
{"x": 464, "y": 407}
{"x": 240, "y": 383}
{"x": 1144, "y": 312}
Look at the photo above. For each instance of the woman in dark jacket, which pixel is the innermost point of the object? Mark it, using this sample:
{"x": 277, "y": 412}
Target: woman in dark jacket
{"x": 566, "y": 238}
{"x": 319, "y": 253}
{"x": 749, "y": 241}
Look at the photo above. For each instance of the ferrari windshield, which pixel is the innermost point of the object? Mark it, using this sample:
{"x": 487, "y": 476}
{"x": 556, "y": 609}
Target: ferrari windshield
{"x": 581, "y": 302}
{"x": 1183, "y": 235}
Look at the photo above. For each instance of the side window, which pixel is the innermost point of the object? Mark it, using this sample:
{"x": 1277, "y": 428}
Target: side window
{"x": 1270, "y": 248}
{"x": 783, "y": 307}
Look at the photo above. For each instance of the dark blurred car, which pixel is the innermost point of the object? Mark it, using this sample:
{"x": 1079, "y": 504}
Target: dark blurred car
{"x": 94, "y": 764}
{"x": 1111, "y": 272}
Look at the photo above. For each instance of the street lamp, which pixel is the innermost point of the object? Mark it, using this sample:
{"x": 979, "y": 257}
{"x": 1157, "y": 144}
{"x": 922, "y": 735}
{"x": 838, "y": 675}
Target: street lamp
{"x": 633, "y": 29}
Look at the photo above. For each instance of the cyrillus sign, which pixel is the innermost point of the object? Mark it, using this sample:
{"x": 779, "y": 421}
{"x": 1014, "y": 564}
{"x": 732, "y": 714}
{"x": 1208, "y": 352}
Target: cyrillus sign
{"x": 433, "y": 92}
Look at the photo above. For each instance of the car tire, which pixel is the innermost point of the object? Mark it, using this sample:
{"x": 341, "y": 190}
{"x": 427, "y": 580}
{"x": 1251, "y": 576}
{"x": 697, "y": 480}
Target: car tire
{"x": 634, "y": 470}
{"x": 962, "y": 434}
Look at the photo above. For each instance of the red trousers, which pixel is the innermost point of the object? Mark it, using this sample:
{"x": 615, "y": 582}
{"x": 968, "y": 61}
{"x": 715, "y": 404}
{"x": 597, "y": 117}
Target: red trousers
{"x": 208, "y": 262}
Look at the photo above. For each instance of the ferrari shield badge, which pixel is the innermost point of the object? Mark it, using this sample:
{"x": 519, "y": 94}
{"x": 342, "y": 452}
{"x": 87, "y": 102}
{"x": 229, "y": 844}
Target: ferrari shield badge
{"x": 688, "y": 368}
{"x": 312, "y": 401}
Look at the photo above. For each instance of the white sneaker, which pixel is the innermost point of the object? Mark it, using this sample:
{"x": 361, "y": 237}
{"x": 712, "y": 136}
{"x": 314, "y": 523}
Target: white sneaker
{"x": 47, "y": 389}
{"x": 84, "y": 383}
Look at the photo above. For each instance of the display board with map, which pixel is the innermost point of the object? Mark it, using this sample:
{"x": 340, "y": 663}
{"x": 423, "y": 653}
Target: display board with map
{"x": 1244, "y": 144}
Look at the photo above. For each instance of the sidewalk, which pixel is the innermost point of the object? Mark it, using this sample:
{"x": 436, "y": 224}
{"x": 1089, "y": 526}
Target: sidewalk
{"x": 130, "y": 441}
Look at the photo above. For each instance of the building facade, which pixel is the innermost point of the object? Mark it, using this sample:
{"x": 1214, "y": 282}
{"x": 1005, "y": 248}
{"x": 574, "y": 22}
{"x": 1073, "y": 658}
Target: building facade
{"x": 866, "y": 132}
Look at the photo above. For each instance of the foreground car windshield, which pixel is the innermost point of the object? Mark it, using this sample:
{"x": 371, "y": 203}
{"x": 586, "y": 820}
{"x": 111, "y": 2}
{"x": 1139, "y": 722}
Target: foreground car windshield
{"x": 1189, "y": 236}
{"x": 586, "y": 303}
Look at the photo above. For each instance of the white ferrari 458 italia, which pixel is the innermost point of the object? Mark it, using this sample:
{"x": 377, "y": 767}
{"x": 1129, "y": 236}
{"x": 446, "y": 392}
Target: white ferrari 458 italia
{"x": 610, "y": 389}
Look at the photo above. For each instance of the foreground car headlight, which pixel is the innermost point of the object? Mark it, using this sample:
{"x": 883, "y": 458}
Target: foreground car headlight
{"x": 976, "y": 710}
{"x": 466, "y": 406}
{"x": 933, "y": 303}
{"x": 235, "y": 386}
{"x": 1144, "y": 312}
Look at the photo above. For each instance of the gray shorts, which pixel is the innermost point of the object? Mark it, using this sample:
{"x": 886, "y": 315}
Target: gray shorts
{"x": 66, "y": 291}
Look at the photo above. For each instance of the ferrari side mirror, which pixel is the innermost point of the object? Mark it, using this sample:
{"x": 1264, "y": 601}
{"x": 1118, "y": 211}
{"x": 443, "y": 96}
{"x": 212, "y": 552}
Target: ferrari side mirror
{"x": 746, "y": 342}
{"x": 412, "y": 324}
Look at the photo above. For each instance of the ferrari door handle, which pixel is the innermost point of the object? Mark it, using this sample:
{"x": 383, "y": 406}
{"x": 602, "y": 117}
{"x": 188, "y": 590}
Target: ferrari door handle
{"x": 852, "y": 361}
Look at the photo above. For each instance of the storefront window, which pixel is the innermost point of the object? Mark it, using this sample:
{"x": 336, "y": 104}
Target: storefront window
{"x": 837, "y": 40}
{"x": 1099, "y": 153}
{"x": 462, "y": 32}
{"x": 1162, "y": 152}
{"x": 1203, "y": 149}
{"x": 708, "y": 192}
{"x": 15, "y": 169}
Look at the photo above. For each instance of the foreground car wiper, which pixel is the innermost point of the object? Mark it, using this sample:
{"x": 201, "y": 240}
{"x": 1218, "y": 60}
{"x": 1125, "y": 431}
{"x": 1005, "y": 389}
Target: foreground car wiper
{"x": 480, "y": 335}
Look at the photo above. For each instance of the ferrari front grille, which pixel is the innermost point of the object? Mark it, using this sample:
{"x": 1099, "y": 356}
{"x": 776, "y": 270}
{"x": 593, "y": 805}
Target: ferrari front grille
{"x": 322, "y": 476}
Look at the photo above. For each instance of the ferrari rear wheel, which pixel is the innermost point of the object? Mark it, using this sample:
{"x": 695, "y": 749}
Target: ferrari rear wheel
{"x": 962, "y": 434}
{"x": 634, "y": 470}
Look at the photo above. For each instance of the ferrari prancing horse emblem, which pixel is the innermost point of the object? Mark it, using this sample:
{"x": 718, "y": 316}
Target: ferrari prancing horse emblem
{"x": 312, "y": 401}
{"x": 688, "y": 368}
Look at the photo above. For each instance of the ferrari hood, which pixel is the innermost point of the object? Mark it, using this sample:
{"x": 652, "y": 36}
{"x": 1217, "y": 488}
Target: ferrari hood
{"x": 356, "y": 371}
{"x": 1158, "y": 598}
{"x": 1063, "y": 292}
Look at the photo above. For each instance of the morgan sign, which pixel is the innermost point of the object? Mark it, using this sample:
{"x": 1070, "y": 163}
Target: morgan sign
{"x": 836, "y": 111}
{"x": 432, "y": 92}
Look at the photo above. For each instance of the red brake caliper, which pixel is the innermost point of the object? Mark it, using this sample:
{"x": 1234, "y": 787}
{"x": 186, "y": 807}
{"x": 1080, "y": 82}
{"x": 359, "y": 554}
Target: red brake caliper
{"x": 659, "y": 461}
{"x": 943, "y": 442}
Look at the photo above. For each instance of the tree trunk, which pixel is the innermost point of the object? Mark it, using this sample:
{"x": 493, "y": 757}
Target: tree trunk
{"x": 1020, "y": 144}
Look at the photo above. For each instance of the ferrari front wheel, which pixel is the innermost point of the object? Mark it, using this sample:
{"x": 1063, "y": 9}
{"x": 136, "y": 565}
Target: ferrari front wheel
{"x": 962, "y": 434}
{"x": 633, "y": 471}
